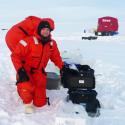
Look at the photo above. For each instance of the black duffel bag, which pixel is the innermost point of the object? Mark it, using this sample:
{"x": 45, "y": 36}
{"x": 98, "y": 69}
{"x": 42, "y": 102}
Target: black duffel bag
{"x": 92, "y": 108}
{"x": 82, "y": 96}
{"x": 87, "y": 98}
{"x": 82, "y": 77}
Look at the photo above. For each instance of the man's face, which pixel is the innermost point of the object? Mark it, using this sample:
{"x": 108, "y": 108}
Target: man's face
{"x": 45, "y": 32}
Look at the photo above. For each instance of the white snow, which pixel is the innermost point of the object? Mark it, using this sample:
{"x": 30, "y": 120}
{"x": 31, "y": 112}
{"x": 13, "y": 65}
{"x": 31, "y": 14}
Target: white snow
{"x": 105, "y": 55}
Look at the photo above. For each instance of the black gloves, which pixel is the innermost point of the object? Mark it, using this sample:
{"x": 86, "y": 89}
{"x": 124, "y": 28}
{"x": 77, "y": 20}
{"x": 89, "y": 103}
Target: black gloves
{"x": 23, "y": 77}
{"x": 64, "y": 68}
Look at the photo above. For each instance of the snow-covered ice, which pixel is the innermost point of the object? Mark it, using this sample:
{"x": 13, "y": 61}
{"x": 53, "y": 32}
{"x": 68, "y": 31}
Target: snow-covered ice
{"x": 105, "y": 55}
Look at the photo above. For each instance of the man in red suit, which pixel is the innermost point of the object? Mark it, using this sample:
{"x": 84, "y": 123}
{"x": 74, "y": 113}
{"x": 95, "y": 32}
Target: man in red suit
{"x": 30, "y": 57}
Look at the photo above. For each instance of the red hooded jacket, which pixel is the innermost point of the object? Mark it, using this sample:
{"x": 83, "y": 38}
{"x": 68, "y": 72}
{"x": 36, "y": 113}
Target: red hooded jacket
{"x": 23, "y": 29}
{"x": 34, "y": 54}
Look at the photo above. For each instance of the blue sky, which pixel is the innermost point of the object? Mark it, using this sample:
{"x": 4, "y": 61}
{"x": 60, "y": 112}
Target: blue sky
{"x": 100, "y": 4}
{"x": 66, "y": 13}
{"x": 104, "y": 6}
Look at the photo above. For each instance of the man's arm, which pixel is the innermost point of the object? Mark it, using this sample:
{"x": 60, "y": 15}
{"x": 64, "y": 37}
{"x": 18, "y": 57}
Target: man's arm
{"x": 18, "y": 54}
{"x": 55, "y": 56}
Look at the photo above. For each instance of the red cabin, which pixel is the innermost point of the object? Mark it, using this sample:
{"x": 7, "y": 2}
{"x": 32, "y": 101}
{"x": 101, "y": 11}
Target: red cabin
{"x": 107, "y": 25}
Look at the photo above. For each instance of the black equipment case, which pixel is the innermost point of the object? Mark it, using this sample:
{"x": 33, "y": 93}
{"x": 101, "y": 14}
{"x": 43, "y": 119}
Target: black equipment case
{"x": 82, "y": 96}
{"x": 83, "y": 77}
{"x": 81, "y": 84}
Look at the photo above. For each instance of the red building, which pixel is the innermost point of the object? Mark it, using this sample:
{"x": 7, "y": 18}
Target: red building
{"x": 107, "y": 26}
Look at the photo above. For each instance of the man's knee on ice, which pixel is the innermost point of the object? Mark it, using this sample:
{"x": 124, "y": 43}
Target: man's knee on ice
{"x": 25, "y": 91}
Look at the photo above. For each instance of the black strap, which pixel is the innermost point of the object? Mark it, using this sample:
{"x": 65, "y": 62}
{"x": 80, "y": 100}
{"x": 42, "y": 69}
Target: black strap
{"x": 24, "y": 31}
{"x": 48, "y": 100}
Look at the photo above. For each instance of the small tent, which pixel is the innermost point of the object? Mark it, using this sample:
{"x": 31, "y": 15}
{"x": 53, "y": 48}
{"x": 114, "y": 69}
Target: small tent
{"x": 107, "y": 26}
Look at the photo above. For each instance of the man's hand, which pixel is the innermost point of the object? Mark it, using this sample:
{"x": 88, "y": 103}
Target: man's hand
{"x": 22, "y": 75}
{"x": 64, "y": 68}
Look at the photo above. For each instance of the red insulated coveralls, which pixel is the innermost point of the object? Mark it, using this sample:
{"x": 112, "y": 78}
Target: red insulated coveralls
{"x": 33, "y": 56}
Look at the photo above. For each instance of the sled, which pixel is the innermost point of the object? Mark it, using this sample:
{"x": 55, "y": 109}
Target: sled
{"x": 90, "y": 38}
{"x": 53, "y": 81}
